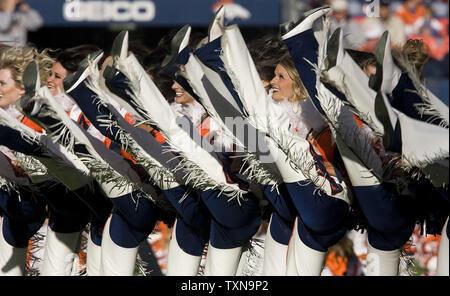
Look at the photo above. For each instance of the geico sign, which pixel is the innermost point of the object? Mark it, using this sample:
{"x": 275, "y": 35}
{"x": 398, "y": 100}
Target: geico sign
{"x": 99, "y": 11}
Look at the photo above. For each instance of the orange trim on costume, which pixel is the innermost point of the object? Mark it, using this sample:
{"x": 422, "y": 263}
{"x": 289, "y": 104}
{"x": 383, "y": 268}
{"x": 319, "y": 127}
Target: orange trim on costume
{"x": 85, "y": 120}
{"x": 228, "y": 179}
{"x": 107, "y": 142}
{"x": 28, "y": 122}
{"x": 205, "y": 127}
{"x": 158, "y": 136}
{"x": 324, "y": 144}
{"x": 127, "y": 155}
{"x": 358, "y": 121}
{"x": 130, "y": 118}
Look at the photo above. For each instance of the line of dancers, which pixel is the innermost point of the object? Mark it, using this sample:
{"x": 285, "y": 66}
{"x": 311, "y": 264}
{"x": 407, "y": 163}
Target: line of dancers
{"x": 296, "y": 130}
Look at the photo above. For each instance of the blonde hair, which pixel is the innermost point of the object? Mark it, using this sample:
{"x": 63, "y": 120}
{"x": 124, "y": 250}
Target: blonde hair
{"x": 16, "y": 59}
{"x": 417, "y": 52}
{"x": 297, "y": 86}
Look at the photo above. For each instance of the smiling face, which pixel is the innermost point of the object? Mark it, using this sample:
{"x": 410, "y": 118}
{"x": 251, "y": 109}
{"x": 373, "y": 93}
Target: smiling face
{"x": 181, "y": 96}
{"x": 55, "y": 80}
{"x": 9, "y": 91}
{"x": 282, "y": 84}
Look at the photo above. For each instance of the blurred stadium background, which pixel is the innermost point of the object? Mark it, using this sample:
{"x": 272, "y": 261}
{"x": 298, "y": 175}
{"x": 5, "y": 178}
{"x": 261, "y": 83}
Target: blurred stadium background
{"x": 73, "y": 22}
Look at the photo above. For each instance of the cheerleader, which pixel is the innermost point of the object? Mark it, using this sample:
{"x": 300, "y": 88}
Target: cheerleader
{"x": 96, "y": 207}
{"x": 418, "y": 117}
{"x": 25, "y": 207}
{"x": 266, "y": 53}
{"x": 87, "y": 204}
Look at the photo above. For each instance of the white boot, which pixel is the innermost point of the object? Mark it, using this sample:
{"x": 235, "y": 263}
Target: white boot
{"x": 116, "y": 260}
{"x": 442, "y": 265}
{"x": 382, "y": 263}
{"x": 12, "y": 260}
{"x": 59, "y": 253}
{"x": 274, "y": 256}
{"x": 306, "y": 21}
{"x": 180, "y": 263}
{"x": 390, "y": 73}
{"x": 335, "y": 49}
{"x": 216, "y": 26}
{"x": 93, "y": 258}
{"x": 222, "y": 262}
{"x": 301, "y": 259}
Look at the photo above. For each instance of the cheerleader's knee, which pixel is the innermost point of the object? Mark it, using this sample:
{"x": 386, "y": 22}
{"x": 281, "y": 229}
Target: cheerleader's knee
{"x": 192, "y": 240}
{"x": 125, "y": 235}
{"x": 328, "y": 217}
{"x": 381, "y": 208}
{"x": 229, "y": 213}
{"x": 67, "y": 213}
{"x": 389, "y": 241}
{"x": 320, "y": 241}
{"x": 318, "y": 211}
{"x": 68, "y": 223}
{"x": 280, "y": 229}
{"x": 22, "y": 219}
{"x": 280, "y": 200}
{"x": 228, "y": 238}
{"x": 137, "y": 210}
{"x": 192, "y": 211}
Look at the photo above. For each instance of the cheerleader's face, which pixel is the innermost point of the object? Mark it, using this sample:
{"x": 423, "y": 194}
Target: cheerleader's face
{"x": 55, "y": 80}
{"x": 9, "y": 91}
{"x": 181, "y": 96}
{"x": 281, "y": 84}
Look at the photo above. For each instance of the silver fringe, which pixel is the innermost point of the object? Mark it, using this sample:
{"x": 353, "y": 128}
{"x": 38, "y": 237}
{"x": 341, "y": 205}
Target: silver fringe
{"x": 427, "y": 107}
